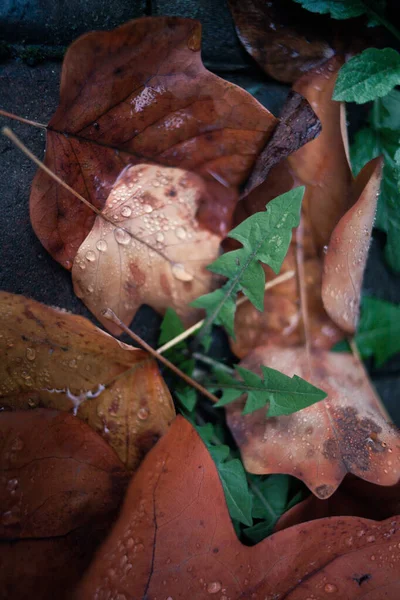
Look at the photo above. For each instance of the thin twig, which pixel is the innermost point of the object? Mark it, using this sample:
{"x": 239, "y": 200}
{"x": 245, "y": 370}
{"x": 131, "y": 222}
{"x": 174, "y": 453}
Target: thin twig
{"x": 185, "y": 334}
{"x": 4, "y": 113}
{"x": 207, "y": 360}
{"x": 109, "y": 314}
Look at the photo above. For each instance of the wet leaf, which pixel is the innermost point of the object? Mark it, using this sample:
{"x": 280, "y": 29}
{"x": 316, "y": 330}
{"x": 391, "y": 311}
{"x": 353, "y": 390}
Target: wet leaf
{"x": 277, "y": 36}
{"x": 161, "y": 261}
{"x": 338, "y": 9}
{"x": 372, "y": 74}
{"x": 61, "y": 486}
{"x": 140, "y": 93}
{"x": 57, "y": 360}
{"x": 346, "y": 433}
{"x": 177, "y": 492}
{"x": 347, "y": 252}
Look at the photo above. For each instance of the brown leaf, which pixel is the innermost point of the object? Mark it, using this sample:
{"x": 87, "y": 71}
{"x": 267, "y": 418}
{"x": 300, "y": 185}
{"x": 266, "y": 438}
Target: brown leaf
{"x": 54, "y": 359}
{"x": 298, "y": 125}
{"x": 164, "y": 263}
{"x": 347, "y": 253}
{"x": 280, "y": 39}
{"x": 174, "y": 539}
{"x": 61, "y": 486}
{"x": 136, "y": 94}
{"x": 346, "y": 433}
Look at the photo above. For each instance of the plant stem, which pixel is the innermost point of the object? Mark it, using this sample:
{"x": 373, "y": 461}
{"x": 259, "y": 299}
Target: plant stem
{"x": 213, "y": 363}
{"x": 4, "y": 113}
{"x": 109, "y": 314}
{"x": 382, "y": 20}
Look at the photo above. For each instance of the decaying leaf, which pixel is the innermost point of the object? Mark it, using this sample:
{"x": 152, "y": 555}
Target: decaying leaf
{"x": 163, "y": 263}
{"x": 140, "y": 93}
{"x": 152, "y": 552}
{"x": 346, "y": 433}
{"x": 283, "y": 43}
{"x": 61, "y": 486}
{"x": 347, "y": 252}
{"x": 58, "y": 360}
{"x": 298, "y": 125}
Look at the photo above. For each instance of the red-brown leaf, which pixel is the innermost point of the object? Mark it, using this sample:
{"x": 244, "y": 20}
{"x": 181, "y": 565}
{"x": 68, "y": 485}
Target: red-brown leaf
{"x": 174, "y": 539}
{"x": 61, "y": 486}
{"x": 140, "y": 93}
{"x": 345, "y": 433}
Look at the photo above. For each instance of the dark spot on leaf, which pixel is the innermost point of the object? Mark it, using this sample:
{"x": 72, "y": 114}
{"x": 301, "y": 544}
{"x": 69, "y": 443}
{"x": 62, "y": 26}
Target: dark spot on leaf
{"x": 137, "y": 274}
{"x": 323, "y": 491}
{"x": 330, "y": 449}
{"x": 171, "y": 192}
{"x": 215, "y": 550}
{"x": 361, "y": 578}
{"x": 118, "y": 71}
{"x": 359, "y": 438}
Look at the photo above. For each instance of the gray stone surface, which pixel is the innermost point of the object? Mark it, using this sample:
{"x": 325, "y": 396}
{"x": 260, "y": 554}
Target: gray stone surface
{"x": 61, "y": 21}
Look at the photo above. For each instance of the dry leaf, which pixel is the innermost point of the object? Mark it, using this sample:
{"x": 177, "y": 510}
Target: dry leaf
{"x": 61, "y": 486}
{"x": 163, "y": 264}
{"x": 348, "y": 251}
{"x": 58, "y": 360}
{"x": 174, "y": 539}
{"x": 136, "y": 94}
{"x": 346, "y": 433}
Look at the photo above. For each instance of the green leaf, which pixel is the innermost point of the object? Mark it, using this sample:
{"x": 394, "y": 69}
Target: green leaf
{"x": 188, "y": 398}
{"x": 382, "y": 137}
{"x": 237, "y": 495}
{"x": 337, "y": 9}
{"x": 367, "y": 76}
{"x": 378, "y": 332}
{"x": 265, "y": 238}
{"x": 285, "y": 395}
{"x": 171, "y": 327}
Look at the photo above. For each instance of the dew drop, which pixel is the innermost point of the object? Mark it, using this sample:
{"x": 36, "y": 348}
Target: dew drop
{"x": 372, "y": 557}
{"x": 101, "y": 245}
{"x": 214, "y": 587}
{"x": 90, "y": 289}
{"x": 12, "y": 485}
{"x": 179, "y": 272}
{"x": 121, "y": 236}
{"x": 10, "y": 518}
{"x": 73, "y": 363}
{"x": 126, "y": 211}
{"x": 160, "y": 237}
{"x": 143, "y": 413}
{"x": 180, "y": 233}
{"x": 371, "y": 538}
{"x": 330, "y": 588}
{"x": 90, "y": 256}
{"x": 147, "y": 208}
{"x": 30, "y": 354}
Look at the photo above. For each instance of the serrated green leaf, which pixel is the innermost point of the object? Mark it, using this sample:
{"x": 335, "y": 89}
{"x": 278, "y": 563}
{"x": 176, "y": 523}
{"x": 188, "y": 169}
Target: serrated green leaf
{"x": 170, "y": 328}
{"x": 337, "y": 9}
{"x": 367, "y": 76}
{"x": 285, "y": 395}
{"x": 265, "y": 238}
{"x": 378, "y": 333}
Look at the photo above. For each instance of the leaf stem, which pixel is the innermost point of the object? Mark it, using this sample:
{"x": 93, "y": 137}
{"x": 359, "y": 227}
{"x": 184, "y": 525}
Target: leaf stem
{"x": 185, "y": 334}
{"x": 207, "y": 360}
{"x": 109, "y": 314}
{"x": 382, "y": 20}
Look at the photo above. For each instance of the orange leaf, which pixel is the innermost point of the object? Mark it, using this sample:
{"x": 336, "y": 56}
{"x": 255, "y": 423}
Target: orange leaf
{"x": 136, "y": 94}
{"x": 174, "y": 539}
{"x": 61, "y": 486}
{"x": 163, "y": 263}
{"x": 54, "y": 359}
{"x": 346, "y": 433}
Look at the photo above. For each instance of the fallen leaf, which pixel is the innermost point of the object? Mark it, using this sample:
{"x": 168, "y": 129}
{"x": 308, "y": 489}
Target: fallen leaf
{"x": 174, "y": 539}
{"x": 140, "y": 93}
{"x": 346, "y": 433}
{"x": 58, "y": 360}
{"x": 61, "y": 486}
{"x": 278, "y": 37}
{"x": 163, "y": 263}
{"x": 298, "y": 125}
{"x": 347, "y": 253}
